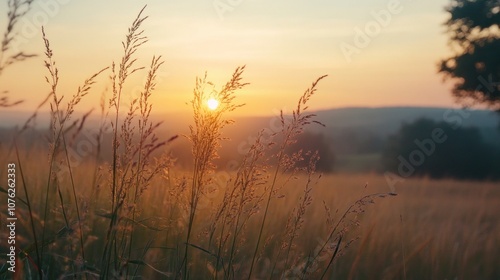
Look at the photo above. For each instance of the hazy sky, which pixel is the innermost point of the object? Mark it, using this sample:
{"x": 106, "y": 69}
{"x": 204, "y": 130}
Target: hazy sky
{"x": 285, "y": 45}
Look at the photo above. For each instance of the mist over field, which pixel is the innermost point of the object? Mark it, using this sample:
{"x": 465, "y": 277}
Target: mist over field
{"x": 354, "y": 138}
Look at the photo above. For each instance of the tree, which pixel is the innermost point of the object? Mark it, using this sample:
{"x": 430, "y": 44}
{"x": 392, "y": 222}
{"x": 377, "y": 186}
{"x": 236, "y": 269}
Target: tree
{"x": 440, "y": 149}
{"x": 474, "y": 33}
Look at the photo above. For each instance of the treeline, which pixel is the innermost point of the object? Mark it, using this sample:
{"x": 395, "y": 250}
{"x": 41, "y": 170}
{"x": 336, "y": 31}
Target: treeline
{"x": 425, "y": 147}
{"x": 440, "y": 150}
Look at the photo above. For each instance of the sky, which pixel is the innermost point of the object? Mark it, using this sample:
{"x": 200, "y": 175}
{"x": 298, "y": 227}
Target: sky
{"x": 376, "y": 53}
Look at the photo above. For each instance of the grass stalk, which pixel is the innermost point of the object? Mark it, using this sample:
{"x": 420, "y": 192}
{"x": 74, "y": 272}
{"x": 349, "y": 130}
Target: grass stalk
{"x": 289, "y": 131}
{"x": 205, "y": 137}
{"x": 30, "y": 211}
{"x": 133, "y": 41}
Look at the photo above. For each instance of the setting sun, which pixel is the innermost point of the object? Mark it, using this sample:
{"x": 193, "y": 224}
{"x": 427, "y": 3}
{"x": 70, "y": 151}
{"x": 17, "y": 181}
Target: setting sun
{"x": 212, "y": 104}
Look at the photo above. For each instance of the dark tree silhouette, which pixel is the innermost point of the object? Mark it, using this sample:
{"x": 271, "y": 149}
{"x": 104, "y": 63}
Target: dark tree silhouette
{"x": 439, "y": 149}
{"x": 474, "y": 33}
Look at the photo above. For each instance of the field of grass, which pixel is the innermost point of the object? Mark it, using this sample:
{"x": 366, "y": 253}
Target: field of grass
{"x": 431, "y": 230}
{"x": 358, "y": 163}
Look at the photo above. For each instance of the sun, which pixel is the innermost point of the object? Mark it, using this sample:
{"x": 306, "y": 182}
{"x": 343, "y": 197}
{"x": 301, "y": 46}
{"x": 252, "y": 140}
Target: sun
{"x": 212, "y": 104}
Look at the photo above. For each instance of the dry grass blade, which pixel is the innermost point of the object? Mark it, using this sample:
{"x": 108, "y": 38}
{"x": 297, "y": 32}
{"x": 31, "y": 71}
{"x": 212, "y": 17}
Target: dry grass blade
{"x": 289, "y": 131}
{"x": 205, "y": 137}
{"x": 9, "y": 54}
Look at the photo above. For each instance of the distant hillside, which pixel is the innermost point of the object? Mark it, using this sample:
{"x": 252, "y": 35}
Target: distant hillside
{"x": 347, "y": 128}
{"x": 387, "y": 120}
{"x": 349, "y": 131}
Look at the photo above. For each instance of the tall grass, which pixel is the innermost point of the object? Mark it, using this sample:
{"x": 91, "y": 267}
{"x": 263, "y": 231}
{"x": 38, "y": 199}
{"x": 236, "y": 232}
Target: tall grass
{"x": 205, "y": 136}
{"x": 132, "y": 166}
{"x": 289, "y": 131}
{"x": 59, "y": 121}
{"x": 9, "y": 54}
{"x": 251, "y": 224}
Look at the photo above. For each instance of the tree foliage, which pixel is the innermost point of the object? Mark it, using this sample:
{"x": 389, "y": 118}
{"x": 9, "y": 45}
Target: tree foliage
{"x": 474, "y": 35}
{"x": 460, "y": 152}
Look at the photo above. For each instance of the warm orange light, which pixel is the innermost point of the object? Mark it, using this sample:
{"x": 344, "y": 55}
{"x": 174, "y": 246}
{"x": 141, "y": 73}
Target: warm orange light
{"x": 212, "y": 104}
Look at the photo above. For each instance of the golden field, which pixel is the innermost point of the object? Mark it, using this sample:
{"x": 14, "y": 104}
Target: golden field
{"x": 432, "y": 229}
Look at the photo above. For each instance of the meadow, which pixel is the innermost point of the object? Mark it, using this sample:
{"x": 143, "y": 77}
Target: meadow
{"x": 135, "y": 214}
{"x": 442, "y": 229}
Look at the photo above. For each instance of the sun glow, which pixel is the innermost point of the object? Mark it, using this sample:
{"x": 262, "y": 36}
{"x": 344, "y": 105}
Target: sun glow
{"x": 212, "y": 104}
